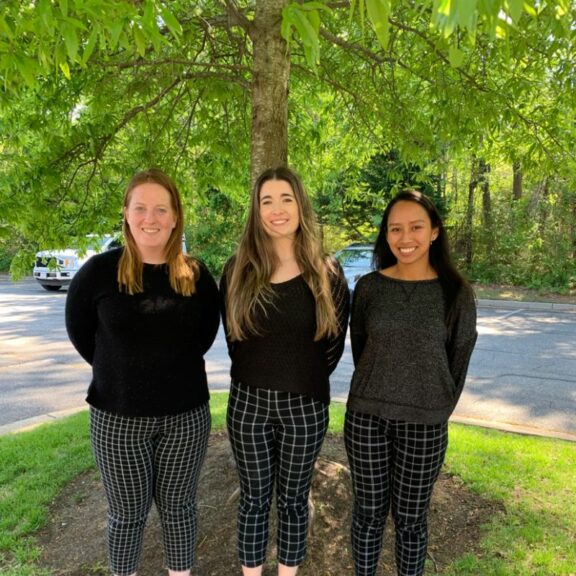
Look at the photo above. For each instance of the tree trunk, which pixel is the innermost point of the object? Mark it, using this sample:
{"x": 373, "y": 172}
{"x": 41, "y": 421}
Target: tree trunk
{"x": 517, "y": 180}
{"x": 473, "y": 184}
{"x": 270, "y": 76}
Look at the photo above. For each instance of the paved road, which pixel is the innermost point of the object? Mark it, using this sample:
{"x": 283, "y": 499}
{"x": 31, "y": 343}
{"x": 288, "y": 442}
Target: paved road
{"x": 522, "y": 374}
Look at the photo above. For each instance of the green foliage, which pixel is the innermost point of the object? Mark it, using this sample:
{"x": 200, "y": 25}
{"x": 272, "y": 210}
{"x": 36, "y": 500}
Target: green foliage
{"x": 214, "y": 228}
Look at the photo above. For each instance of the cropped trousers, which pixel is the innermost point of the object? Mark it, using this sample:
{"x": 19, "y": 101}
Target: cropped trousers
{"x": 275, "y": 437}
{"x": 146, "y": 459}
{"x": 394, "y": 465}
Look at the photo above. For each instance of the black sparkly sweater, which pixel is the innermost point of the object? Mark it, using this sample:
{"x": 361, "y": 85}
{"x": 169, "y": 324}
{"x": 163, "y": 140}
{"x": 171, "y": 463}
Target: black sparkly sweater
{"x": 285, "y": 356}
{"x": 146, "y": 350}
{"x": 407, "y": 366}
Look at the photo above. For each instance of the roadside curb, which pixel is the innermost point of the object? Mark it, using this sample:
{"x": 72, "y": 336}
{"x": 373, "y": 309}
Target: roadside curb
{"x": 518, "y": 305}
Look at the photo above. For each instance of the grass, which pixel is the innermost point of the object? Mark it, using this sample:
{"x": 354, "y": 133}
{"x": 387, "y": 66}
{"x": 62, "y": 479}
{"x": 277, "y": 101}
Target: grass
{"x": 532, "y": 477}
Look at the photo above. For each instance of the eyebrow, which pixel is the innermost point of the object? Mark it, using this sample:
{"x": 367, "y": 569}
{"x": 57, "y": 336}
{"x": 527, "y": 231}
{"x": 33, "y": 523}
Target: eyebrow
{"x": 411, "y": 222}
{"x": 282, "y": 195}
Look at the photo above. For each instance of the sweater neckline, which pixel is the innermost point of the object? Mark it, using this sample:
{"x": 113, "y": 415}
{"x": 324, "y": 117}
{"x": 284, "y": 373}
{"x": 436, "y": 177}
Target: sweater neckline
{"x": 285, "y": 282}
{"x": 402, "y": 281}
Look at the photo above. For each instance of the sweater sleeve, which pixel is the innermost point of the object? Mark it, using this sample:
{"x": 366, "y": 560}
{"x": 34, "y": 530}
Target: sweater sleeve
{"x": 358, "y": 336}
{"x": 80, "y": 312}
{"x": 210, "y": 307}
{"x": 341, "y": 299}
{"x": 223, "y": 294}
{"x": 463, "y": 339}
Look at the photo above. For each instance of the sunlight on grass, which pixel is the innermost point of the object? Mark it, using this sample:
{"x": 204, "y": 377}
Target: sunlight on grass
{"x": 532, "y": 477}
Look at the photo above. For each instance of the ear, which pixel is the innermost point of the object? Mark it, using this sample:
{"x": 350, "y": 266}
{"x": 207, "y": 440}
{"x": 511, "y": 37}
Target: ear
{"x": 435, "y": 233}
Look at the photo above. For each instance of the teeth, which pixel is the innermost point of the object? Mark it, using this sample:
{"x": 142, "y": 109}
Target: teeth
{"x": 407, "y": 250}
{"x": 149, "y": 230}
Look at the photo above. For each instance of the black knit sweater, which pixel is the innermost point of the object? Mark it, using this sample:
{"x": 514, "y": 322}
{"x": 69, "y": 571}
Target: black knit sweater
{"x": 146, "y": 350}
{"x": 285, "y": 356}
{"x": 407, "y": 366}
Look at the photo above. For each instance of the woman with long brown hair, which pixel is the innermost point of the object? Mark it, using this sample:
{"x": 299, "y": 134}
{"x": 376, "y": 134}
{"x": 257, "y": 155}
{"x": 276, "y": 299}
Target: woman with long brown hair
{"x": 285, "y": 313}
{"x": 143, "y": 316}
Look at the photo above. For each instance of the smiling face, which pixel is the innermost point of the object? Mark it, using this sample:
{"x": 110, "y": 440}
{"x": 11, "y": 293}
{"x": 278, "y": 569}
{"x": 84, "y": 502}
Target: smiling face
{"x": 409, "y": 233}
{"x": 279, "y": 211}
{"x": 151, "y": 219}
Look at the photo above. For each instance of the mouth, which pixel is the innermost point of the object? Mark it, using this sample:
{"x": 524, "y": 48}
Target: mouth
{"x": 150, "y": 230}
{"x": 278, "y": 222}
{"x": 407, "y": 251}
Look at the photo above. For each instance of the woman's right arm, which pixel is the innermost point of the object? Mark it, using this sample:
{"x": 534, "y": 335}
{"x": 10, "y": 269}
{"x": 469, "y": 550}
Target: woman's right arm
{"x": 358, "y": 336}
{"x": 80, "y": 314}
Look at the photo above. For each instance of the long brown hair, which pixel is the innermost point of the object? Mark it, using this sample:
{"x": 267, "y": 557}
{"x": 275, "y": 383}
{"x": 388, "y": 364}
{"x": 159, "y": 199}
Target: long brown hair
{"x": 249, "y": 274}
{"x": 182, "y": 271}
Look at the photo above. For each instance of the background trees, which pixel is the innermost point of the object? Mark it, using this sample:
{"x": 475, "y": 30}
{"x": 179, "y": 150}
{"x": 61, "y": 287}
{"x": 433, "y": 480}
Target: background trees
{"x": 463, "y": 94}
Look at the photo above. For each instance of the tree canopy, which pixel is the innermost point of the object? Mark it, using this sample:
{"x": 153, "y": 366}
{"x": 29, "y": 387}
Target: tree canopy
{"x": 214, "y": 91}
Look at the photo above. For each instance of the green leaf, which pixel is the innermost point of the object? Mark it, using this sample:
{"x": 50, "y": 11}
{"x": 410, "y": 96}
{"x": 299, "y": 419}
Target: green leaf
{"x": 90, "y": 45}
{"x": 456, "y": 56}
{"x": 140, "y": 40}
{"x": 171, "y": 21}
{"x": 71, "y": 40}
{"x": 467, "y": 14}
{"x": 378, "y": 12}
{"x": 64, "y": 7}
{"x": 116, "y": 29}
{"x": 5, "y": 28}
{"x": 515, "y": 8}
{"x": 65, "y": 69}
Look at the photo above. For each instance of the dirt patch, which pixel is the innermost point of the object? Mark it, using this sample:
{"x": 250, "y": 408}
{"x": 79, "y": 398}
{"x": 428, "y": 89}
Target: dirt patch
{"x": 73, "y": 543}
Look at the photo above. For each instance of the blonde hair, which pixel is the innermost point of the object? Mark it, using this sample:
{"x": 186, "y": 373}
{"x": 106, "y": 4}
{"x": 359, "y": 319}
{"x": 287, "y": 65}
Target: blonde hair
{"x": 248, "y": 275}
{"x": 182, "y": 270}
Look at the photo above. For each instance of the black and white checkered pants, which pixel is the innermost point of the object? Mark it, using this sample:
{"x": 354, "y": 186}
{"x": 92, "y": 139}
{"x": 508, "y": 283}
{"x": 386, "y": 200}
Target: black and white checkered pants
{"x": 276, "y": 437}
{"x": 394, "y": 464}
{"x": 146, "y": 459}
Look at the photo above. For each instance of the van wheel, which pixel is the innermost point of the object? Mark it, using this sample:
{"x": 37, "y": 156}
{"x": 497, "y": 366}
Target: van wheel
{"x": 50, "y": 288}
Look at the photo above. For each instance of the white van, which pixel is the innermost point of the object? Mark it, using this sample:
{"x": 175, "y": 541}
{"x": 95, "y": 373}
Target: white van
{"x": 56, "y": 268}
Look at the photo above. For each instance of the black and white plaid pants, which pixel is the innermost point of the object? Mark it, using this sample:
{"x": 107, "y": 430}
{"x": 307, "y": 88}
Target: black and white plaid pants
{"x": 394, "y": 465}
{"x": 276, "y": 437}
{"x": 146, "y": 459}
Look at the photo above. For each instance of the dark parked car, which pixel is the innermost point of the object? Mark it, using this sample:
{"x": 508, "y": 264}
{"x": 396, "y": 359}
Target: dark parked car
{"x": 356, "y": 260}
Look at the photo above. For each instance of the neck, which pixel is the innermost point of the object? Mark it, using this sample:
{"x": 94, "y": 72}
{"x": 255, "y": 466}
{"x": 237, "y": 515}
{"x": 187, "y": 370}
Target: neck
{"x": 284, "y": 249}
{"x": 152, "y": 257}
{"x": 401, "y": 272}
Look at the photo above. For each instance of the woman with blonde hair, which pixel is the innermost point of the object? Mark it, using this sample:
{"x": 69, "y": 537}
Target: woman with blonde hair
{"x": 285, "y": 312}
{"x": 143, "y": 316}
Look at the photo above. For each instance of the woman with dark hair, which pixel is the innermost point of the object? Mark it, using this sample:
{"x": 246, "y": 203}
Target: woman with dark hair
{"x": 285, "y": 314}
{"x": 412, "y": 329}
{"x": 143, "y": 316}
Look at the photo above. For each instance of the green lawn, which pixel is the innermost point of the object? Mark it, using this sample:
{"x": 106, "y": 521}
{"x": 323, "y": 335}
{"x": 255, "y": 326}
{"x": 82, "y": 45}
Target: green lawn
{"x": 532, "y": 477}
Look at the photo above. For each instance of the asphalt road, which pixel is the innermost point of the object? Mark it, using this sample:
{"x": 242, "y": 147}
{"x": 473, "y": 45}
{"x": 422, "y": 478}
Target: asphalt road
{"x": 522, "y": 375}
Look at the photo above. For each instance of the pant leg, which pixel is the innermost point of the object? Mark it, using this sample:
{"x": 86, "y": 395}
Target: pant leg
{"x": 301, "y": 428}
{"x": 420, "y": 451}
{"x": 369, "y": 447}
{"x": 123, "y": 451}
{"x": 180, "y": 450}
{"x": 252, "y": 439}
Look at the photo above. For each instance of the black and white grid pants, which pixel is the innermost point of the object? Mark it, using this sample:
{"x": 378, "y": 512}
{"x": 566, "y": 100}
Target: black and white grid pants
{"x": 394, "y": 464}
{"x": 146, "y": 459}
{"x": 276, "y": 437}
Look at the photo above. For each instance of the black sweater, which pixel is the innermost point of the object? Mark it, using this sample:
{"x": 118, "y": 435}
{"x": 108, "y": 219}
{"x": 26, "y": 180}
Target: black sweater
{"x": 284, "y": 356}
{"x": 146, "y": 350}
{"x": 407, "y": 366}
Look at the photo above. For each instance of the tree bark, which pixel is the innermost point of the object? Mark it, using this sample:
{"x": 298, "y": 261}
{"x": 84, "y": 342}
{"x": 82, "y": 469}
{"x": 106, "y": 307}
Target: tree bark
{"x": 270, "y": 77}
{"x": 473, "y": 184}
